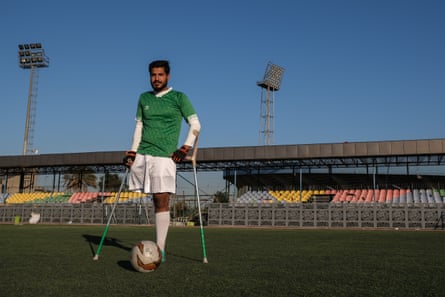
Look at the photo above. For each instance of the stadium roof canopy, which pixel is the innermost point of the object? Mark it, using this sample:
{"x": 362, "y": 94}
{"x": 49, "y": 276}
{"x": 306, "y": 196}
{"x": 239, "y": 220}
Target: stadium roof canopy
{"x": 330, "y": 155}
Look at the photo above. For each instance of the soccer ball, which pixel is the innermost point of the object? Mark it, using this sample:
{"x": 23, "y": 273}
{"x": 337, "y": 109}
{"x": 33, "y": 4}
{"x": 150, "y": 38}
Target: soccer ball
{"x": 146, "y": 256}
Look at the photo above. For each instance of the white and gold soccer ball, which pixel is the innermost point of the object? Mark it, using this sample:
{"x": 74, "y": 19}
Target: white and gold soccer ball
{"x": 146, "y": 256}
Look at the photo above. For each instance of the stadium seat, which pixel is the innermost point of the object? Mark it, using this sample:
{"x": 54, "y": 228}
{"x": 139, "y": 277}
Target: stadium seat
{"x": 437, "y": 197}
{"x": 396, "y": 196}
{"x": 343, "y": 196}
{"x": 409, "y": 197}
{"x": 370, "y": 196}
{"x": 351, "y": 196}
{"x": 416, "y": 195}
{"x": 422, "y": 196}
{"x": 402, "y": 197}
{"x": 389, "y": 194}
{"x": 337, "y": 196}
{"x": 429, "y": 196}
{"x": 382, "y": 196}
{"x": 362, "y": 196}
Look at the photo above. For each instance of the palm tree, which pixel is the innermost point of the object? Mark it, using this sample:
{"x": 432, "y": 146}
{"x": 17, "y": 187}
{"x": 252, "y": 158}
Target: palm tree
{"x": 112, "y": 182}
{"x": 81, "y": 181}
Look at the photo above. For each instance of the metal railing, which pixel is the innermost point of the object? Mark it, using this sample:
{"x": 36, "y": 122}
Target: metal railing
{"x": 298, "y": 215}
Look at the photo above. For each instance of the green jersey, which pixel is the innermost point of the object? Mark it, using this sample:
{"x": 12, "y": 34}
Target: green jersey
{"x": 162, "y": 117}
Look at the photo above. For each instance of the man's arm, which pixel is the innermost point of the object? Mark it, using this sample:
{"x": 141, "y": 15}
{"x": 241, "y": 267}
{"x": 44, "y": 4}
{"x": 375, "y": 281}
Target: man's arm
{"x": 137, "y": 135}
{"x": 131, "y": 154}
{"x": 194, "y": 129}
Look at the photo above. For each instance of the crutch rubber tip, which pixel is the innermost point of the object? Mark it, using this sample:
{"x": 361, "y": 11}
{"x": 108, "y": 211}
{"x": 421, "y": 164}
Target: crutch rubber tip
{"x": 205, "y": 261}
{"x": 96, "y": 257}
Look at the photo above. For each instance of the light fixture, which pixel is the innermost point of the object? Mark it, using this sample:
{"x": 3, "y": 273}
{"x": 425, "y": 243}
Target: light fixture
{"x": 272, "y": 77}
{"x": 36, "y": 54}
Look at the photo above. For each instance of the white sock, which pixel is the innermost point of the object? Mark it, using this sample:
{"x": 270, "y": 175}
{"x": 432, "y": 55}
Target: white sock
{"x": 162, "y": 223}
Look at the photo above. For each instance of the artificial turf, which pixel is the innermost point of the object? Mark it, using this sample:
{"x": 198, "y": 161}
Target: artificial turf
{"x": 49, "y": 260}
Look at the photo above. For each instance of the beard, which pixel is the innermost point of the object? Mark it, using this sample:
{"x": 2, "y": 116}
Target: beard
{"x": 158, "y": 86}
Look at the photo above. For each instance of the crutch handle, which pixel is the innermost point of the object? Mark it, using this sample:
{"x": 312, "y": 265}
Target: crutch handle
{"x": 194, "y": 155}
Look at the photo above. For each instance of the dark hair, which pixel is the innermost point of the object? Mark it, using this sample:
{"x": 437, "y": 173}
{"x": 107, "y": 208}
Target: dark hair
{"x": 160, "y": 64}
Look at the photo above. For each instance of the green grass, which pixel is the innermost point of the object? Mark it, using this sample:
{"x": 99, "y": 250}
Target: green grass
{"x": 46, "y": 260}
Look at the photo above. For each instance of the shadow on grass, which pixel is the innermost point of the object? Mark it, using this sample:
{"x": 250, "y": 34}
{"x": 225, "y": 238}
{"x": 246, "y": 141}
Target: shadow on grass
{"x": 184, "y": 257}
{"x": 126, "y": 265}
{"x": 94, "y": 240}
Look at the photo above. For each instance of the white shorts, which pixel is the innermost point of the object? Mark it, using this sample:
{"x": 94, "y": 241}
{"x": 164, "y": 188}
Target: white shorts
{"x": 151, "y": 174}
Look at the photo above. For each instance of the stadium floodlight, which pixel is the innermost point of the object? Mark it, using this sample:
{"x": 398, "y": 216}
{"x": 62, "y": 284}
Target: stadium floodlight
{"x": 31, "y": 56}
{"x": 272, "y": 77}
{"x": 33, "y": 50}
{"x": 271, "y": 82}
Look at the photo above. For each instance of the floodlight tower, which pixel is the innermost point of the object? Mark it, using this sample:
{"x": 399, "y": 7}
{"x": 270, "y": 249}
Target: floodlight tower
{"x": 31, "y": 56}
{"x": 269, "y": 85}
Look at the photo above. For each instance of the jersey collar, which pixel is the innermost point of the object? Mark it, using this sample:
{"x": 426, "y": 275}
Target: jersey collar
{"x": 162, "y": 93}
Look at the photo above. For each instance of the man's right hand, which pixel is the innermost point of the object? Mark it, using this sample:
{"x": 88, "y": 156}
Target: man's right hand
{"x": 129, "y": 158}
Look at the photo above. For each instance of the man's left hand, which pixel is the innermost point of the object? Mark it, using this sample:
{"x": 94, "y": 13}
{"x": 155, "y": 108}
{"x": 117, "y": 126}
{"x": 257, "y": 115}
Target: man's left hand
{"x": 180, "y": 154}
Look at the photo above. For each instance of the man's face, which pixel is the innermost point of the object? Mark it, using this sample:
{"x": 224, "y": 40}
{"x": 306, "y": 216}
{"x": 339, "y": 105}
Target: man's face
{"x": 159, "y": 79}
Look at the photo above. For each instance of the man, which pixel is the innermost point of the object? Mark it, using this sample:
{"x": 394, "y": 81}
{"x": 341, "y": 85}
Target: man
{"x": 155, "y": 141}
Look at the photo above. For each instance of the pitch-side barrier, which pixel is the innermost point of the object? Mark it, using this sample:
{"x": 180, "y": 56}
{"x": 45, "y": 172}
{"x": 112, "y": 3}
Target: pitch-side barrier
{"x": 298, "y": 215}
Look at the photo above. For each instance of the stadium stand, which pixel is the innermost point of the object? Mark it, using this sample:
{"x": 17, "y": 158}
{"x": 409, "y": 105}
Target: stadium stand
{"x": 361, "y": 184}
{"x": 127, "y": 197}
{"x": 37, "y": 197}
{"x": 80, "y": 197}
{"x": 256, "y": 197}
{"x": 381, "y": 196}
{"x": 73, "y": 198}
{"x": 295, "y": 195}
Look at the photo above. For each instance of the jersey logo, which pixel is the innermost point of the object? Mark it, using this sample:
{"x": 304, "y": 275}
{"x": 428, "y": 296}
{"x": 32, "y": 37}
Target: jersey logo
{"x": 146, "y": 107}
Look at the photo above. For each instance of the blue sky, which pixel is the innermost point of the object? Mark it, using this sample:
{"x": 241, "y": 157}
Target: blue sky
{"x": 355, "y": 70}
